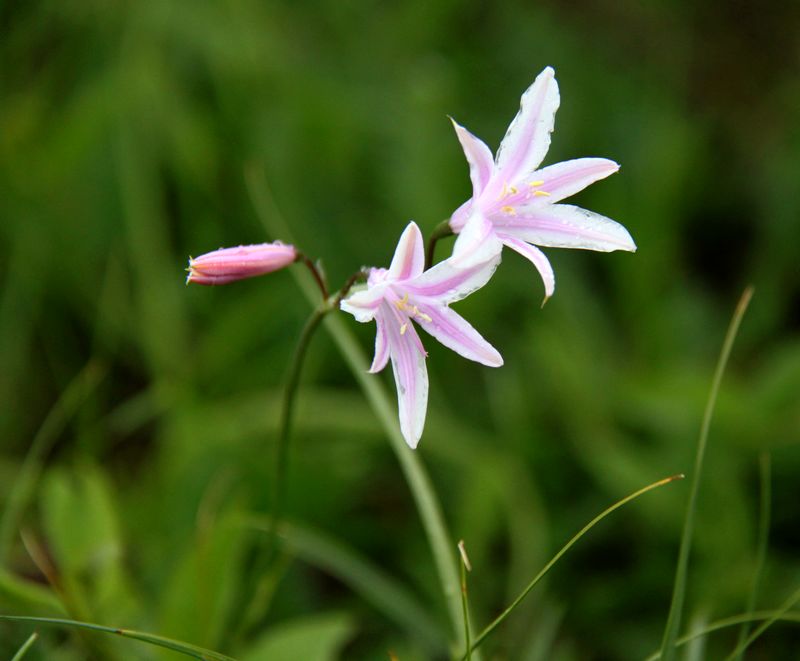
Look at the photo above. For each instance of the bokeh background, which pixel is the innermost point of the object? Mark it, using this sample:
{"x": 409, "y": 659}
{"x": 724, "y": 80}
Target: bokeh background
{"x": 138, "y": 416}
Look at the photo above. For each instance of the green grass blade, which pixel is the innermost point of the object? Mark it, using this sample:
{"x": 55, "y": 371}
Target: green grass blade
{"x": 25, "y": 646}
{"x": 785, "y": 608}
{"x": 765, "y": 507}
{"x": 152, "y": 639}
{"x": 465, "y": 601}
{"x": 415, "y": 474}
{"x": 359, "y": 574}
{"x": 679, "y": 587}
{"x": 733, "y": 621}
{"x": 499, "y": 619}
{"x": 65, "y": 407}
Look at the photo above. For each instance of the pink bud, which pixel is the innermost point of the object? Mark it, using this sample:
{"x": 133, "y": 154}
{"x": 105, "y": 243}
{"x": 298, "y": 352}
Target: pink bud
{"x": 230, "y": 264}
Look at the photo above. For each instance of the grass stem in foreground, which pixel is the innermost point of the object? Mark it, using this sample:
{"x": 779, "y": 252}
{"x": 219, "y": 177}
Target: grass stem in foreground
{"x": 499, "y": 619}
{"x": 765, "y": 506}
{"x": 465, "y": 567}
{"x": 25, "y": 647}
{"x": 679, "y": 587}
{"x": 152, "y": 639}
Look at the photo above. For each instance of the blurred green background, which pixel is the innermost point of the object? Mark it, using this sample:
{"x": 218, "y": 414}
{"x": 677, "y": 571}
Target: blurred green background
{"x": 125, "y": 131}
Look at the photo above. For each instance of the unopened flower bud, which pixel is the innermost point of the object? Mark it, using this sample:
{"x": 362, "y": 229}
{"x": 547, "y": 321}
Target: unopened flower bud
{"x": 230, "y": 264}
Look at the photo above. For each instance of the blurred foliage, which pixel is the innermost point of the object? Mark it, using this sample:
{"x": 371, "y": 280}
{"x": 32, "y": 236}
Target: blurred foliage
{"x": 126, "y": 128}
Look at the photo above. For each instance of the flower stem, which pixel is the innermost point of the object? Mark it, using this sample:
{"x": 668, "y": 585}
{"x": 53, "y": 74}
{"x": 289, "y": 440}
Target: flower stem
{"x": 439, "y": 232}
{"x": 316, "y": 271}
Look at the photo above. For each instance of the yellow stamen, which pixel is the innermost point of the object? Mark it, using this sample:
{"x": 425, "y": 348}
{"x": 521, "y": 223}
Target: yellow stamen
{"x": 423, "y": 316}
{"x": 509, "y": 210}
{"x": 541, "y": 193}
{"x": 402, "y": 303}
{"x": 403, "y": 329}
{"x": 538, "y": 182}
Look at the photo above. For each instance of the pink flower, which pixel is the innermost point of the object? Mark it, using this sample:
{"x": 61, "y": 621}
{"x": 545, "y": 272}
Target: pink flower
{"x": 403, "y": 295}
{"x": 520, "y": 201}
{"x": 230, "y": 264}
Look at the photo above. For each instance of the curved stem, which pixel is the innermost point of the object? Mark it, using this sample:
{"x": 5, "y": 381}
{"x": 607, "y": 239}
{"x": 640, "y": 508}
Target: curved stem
{"x": 316, "y": 271}
{"x": 285, "y": 430}
{"x": 439, "y": 232}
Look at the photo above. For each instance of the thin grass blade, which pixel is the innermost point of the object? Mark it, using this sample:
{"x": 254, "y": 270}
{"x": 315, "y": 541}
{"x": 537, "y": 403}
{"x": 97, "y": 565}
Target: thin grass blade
{"x": 679, "y": 586}
{"x": 765, "y": 507}
{"x": 152, "y": 639}
{"x": 65, "y": 407}
{"x": 733, "y": 621}
{"x": 25, "y": 647}
{"x": 499, "y": 619}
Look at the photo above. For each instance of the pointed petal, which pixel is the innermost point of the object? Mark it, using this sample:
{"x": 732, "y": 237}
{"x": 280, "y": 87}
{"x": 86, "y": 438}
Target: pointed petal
{"x": 451, "y": 280}
{"x": 364, "y": 304}
{"x": 455, "y": 332}
{"x": 567, "y": 178}
{"x": 409, "y": 256}
{"x": 568, "y": 226}
{"x": 381, "y": 345}
{"x": 528, "y": 136}
{"x": 479, "y": 157}
{"x": 538, "y": 259}
{"x": 411, "y": 379}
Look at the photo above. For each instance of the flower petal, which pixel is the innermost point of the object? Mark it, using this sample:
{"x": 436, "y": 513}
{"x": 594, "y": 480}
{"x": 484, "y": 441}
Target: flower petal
{"x": 479, "y": 157}
{"x": 461, "y": 216}
{"x": 411, "y": 379}
{"x": 455, "y": 332}
{"x": 409, "y": 256}
{"x": 451, "y": 280}
{"x": 538, "y": 259}
{"x": 381, "y": 345}
{"x": 568, "y": 177}
{"x": 528, "y": 137}
{"x": 567, "y": 226}
{"x": 476, "y": 242}
{"x": 364, "y": 304}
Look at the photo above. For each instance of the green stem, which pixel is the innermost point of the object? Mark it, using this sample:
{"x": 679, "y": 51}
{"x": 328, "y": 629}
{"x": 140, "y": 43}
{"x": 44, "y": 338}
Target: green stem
{"x": 465, "y": 601}
{"x": 771, "y": 616}
{"x": 679, "y": 589}
{"x": 439, "y": 232}
{"x": 287, "y": 413}
{"x": 416, "y": 476}
{"x": 763, "y": 540}
{"x": 785, "y": 608}
{"x": 159, "y": 641}
{"x": 499, "y": 619}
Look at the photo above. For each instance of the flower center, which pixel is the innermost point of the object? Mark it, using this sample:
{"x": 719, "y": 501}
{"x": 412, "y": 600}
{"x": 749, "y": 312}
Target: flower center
{"x": 412, "y": 311}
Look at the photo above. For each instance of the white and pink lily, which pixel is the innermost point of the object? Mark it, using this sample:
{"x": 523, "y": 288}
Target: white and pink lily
{"x": 520, "y": 201}
{"x": 405, "y": 294}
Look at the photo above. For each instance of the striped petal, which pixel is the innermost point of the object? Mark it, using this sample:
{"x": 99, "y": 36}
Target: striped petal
{"x": 528, "y": 137}
{"x": 381, "y": 346}
{"x": 479, "y": 157}
{"x": 559, "y": 181}
{"x": 455, "y": 332}
{"x": 411, "y": 379}
{"x": 409, "y": 256}
{"x": 536, "y": 257}
{"x": 567, "y": 226}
